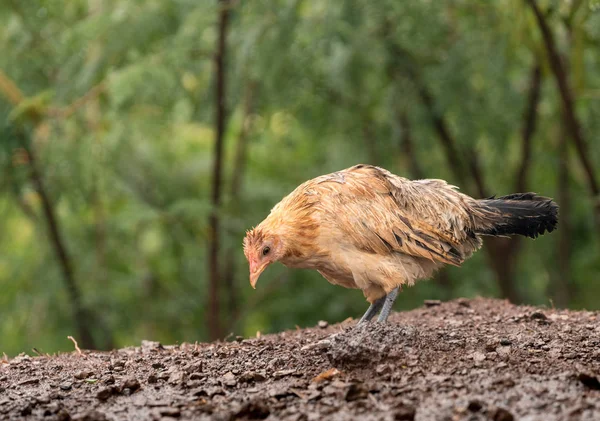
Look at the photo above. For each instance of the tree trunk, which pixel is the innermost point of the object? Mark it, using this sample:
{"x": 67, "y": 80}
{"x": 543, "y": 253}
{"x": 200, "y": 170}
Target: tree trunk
{"x": 562, "y": 287}
{"x": 239, "y": 166}
{"x": 214, "y": 322}
{"x": 81, "y": 316}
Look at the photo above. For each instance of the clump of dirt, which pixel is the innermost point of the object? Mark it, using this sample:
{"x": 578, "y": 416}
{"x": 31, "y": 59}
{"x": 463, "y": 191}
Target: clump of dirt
{"x": 367, "y": 345}
{"x": 462, "y": 360}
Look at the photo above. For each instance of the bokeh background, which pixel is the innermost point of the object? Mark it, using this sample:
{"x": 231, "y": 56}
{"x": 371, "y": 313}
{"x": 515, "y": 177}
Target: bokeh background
{"x": 140, "y": 139}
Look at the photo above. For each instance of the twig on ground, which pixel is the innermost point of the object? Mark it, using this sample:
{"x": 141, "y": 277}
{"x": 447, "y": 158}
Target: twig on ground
{"x": 75, "y": 343}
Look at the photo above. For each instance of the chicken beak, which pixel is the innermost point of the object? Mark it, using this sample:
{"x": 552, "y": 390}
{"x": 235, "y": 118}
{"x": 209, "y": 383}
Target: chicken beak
{"x": 255, "y": 271}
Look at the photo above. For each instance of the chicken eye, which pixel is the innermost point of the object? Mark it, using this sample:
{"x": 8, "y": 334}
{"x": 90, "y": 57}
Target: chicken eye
{"x": 266, "y": 250}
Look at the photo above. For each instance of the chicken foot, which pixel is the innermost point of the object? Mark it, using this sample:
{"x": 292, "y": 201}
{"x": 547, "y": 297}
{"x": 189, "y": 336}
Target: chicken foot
{"x": 384, "y": 304}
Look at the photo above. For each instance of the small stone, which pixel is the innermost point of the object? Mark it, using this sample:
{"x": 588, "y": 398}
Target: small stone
{"x": 356, "y": 392}
{"x": 170, "y": 412}
{"x": 475, "y": 406}
{"x": 148, "y": 346}
{"x": 194, "y": 368}
{"x": 29, "y": 381}
{"x": 252, "y": 376}
{"x": 132, "y": 384}
{"x": 405, "y": 413}
{"x": 538, "y": 315}
{"x": 323, "y": 324}
{"x": 505, "y": 342}
{"x": 252, "y": 410}
{"x": 80, "y": 375}
{"x": 45, "y": 399}
{"x": 503, "y": 351}
{"x": 283, "y": 373}
{"x": 66, "y": 386}
{"x": 589, "y": 381}
{"x": 63, "y": 415}
{"x": 502, "y": 414}
{"x": 104, "y": 394}
{"x": 478, "y": 356}
{"x": 463, "y": 302}
{"x": 177, "y": 377}
{"x": 27, "y": 409}
{"x": 229, "y": 379}
{"x": 382, "y": 369}
{"x": 432, "y": 303}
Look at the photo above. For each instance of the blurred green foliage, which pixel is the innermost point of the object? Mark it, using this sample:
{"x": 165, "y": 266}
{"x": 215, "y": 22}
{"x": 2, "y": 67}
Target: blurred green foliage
{"x": 126, "y": 94}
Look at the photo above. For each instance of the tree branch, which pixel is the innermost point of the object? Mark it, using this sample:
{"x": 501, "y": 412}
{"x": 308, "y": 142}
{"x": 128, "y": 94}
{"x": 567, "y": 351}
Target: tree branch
{"x": 408, "y": 147}
{"x": 529, "y": 126}
{"x": 567, "y": 97}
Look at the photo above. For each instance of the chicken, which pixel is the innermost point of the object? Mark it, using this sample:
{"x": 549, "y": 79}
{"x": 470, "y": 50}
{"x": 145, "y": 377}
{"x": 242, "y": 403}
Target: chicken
{"x": 366, "y": 228}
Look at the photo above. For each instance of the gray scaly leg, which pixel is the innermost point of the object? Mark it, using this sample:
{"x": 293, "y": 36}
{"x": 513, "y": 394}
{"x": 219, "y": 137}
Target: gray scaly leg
{"x": 372, "y": 310}
{"x": 387, "y": 306}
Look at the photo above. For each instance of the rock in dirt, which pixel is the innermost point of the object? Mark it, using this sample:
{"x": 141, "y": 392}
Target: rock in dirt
{"x": 228, "y": 379}
{"x": 501, "y": 414}
{"x": 83, "y": 374}
{"x": 538, "y": 315}
{"x": 356, "y": 392}
{"x": 170, "y": 412}
{"x": 283, "y": 373}
{"x": 132, "y": 384}
{"x": 148, "y": 346}
{"x": 405, "y": 413}
{"x": 475, "y": 405}
{"x": 176, "y": 377}
{"x": 589, "y": 381}
{"x": 105, "y": 393}
{"x": 323, "y": 324}
{"x": 63, "y": 415}
{"x": 257, "y": 410}
{"x": 432, "y": 303}
{"x": 252, "y": 376}
{"x": 478, "y": 356}
{"x": 29, "y": 381}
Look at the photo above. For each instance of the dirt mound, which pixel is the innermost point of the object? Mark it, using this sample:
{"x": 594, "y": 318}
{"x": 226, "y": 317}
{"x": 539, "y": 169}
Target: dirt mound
{"x": 466, "y": 359}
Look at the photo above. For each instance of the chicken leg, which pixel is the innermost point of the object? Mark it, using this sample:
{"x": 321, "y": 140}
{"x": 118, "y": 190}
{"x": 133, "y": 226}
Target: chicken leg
{"x": 384, "y": 304}
{"x": 372, "y": 310}
{"x": 388, "y": 304}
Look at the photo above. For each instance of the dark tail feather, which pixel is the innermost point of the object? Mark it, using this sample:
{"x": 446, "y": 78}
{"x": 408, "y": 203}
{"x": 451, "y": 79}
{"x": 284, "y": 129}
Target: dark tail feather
{"x": 521, "y": 213}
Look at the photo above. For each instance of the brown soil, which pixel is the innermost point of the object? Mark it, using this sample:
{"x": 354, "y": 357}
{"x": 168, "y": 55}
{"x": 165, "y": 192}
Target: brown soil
{"x": 462, "y": 360}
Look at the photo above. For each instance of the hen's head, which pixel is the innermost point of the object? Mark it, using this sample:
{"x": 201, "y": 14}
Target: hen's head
{"x": 261, "y": 248}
